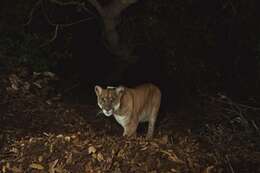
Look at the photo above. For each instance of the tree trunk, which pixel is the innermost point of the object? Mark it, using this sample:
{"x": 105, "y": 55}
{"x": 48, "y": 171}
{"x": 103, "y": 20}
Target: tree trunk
{"x": 110, "y": 15}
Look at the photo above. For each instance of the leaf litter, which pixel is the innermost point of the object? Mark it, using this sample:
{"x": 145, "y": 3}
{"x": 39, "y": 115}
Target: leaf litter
{"x": 42, "y": 133}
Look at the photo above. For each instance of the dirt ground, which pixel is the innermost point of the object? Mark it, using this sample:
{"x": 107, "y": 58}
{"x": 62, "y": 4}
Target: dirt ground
{"x": 41, "y": 133}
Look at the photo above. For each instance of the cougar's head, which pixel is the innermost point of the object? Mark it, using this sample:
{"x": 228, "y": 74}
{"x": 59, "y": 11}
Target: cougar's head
{"x": 109, "y": 99}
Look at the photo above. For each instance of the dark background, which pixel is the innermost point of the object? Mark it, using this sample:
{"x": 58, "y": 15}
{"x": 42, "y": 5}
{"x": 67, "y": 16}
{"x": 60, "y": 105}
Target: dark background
{"x": 203, "y": 54}
{"x": 188, "y": 48}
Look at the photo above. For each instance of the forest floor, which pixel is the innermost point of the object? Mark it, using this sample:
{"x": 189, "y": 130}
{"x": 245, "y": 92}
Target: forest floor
{"x": 42, "y": 133}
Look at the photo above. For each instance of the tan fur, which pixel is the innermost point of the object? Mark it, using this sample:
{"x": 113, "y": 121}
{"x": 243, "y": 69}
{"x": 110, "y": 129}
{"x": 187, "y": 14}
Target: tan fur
{"x": 131, "y": 106}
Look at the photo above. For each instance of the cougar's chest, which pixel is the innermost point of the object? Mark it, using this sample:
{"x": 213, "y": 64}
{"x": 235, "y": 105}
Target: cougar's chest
{"x": 121, "y": 119}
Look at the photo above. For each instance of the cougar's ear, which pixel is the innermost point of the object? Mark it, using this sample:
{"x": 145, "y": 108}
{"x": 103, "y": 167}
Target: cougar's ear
{"x": 98, "y": 90}
{"x": 120, "y": 90}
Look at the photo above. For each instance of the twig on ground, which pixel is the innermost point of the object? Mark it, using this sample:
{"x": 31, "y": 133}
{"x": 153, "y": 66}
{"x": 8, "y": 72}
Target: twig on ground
{"x": 255, "y": 126}
{"x": 229, "y": 164}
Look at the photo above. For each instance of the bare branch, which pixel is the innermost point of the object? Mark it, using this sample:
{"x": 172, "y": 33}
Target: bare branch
{"x": 229, "y": 164}
{"x": 233, "y": 7}
{"x": 97, "y": 5}
{"x": 74, "y": 23}
{"x": 126, "y": 3}
{"x": 57, "y": 26}
{"x": 115, "y": 8}
{"x": 229, "y": 2}
{"x": 66, "y": 3}
{"x": 62, "y": 25}
{"x": 46, "y": 15}
{"x": 79, "y": 4}
{"x": 255, "y": 126}
{"x": 32, "y": 11}
{"x": 53, "y": 37}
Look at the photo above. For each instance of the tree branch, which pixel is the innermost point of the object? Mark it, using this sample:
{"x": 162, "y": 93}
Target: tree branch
{"x": 53, "y": 37}
{"x": 66, "y": 3}
{"x": 62, "y": 25}
{"x": 97, "y": 5}
{"x": 57, "y": 26}
{"x": 32, "y": 11}
{"x": 79, "y": 4}
{"x": 74, "y": 23}
{"x": 46, "y": 15}
{"x": 126, "y": 3}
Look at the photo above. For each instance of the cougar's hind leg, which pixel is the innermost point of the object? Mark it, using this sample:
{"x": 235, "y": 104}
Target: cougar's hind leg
{"x": 151, "y": 124}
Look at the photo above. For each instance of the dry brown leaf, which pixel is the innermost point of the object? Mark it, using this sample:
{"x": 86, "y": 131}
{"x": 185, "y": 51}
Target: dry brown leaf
{"x": 99, "y": 146}
{"x": 144, "y": 148}
{"x": 164, "y": 139}
{"x": 154, "y": 144}
{"x": 52, "y": 166}
{"x": 173, "y": 170}
{"x": 60, "y": 170}
{"x": 4, "y": 169}
{"x": 46, "y": 134}
{"x": 49, "y": 74}
{"x": 37, "y": 84}
{"x": 208, "y": 169}
{"x": 7, "y": 165}
{"x": 73, "y": 136}
{"x": 67, "y": 138}
{"x": 91, "y": 150}
{"x": 16, "y": 169}
{"x": 172, "y": 156}
{"x": 14, "y": 150}
{"x": 154, "y": 171}
{"x": 100, "y": 157}
{"x": 59, "y": 136}
{"x": 51, "y": 148}
{"x": 49, "y": 102}
{"x": 40, "y": 158}
{"x": 36, "y": 166}
{"x": 69, "y": 158}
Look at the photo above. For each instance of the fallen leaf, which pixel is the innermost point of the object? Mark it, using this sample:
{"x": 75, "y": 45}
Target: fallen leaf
{"x": 172, "y": 156}
{"x": 49, "y": 74}
{"x": 100, "y": 157}
{"x": 37, "y": 84}
{"x": 4, "y": 169}
{"x": 16, "y": 169}
{"x": 59, "y": 136}
{"x": 52, "y": 166}
{"x": 14, "y": 150}
{"x": 154, "y": 144}
{"x": 36, "y": 166}
{"x": 153, "y": 171}
{"x": 51, "y": 148}
{"x": 173, "y": 170}
{"x": 69, "y": 158}
{"x": 144, "y": 148}
{"x": 164, "y": 139}
{"x": 208, "y": 169}
{"x": 67, "y": 138}
{"x": 91, "y": 150}
{"x": 49, "y": 102}
{"x": 40, "y": 158}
